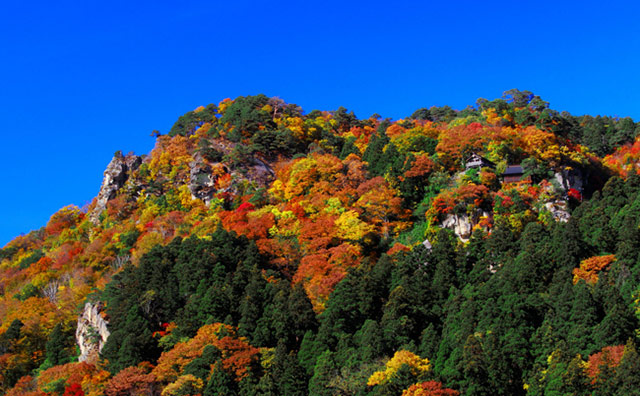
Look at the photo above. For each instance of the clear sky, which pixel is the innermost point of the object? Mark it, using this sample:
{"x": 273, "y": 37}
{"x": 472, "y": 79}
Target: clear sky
{"x": 83, "y": 79}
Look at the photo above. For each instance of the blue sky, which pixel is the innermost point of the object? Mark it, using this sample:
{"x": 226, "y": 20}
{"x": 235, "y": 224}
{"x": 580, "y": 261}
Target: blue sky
{"x": 81, "y": 80}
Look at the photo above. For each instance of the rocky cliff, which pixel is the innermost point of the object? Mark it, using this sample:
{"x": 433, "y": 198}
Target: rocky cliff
{"x": 92, "y": 332}
{"x": 115, "y": 176}
{"x": 570, "y": 178}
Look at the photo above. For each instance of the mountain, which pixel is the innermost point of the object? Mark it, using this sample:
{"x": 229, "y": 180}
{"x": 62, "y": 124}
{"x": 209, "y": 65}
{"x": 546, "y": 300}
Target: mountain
{"x": 259, "y": 249}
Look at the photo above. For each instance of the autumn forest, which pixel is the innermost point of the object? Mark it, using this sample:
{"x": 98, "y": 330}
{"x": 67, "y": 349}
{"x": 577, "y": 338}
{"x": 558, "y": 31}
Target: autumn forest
{"x": 260, "y": 249}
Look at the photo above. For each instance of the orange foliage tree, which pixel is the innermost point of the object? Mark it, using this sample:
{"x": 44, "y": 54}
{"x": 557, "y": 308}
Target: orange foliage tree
{"x": 321, "y": 272}
{"x": 135, "y": 380}
{"x": 609, "y": 356}
{"x": 589, "y": 268}
{"x": 625, "y": 160}
{"x": 429, "y": 388}
{"x": 237, "y": 354}
{"x": 26, "y": 386}
{"x": 327, "y": 209}
{"x": 460, "y": 140}
{"x": 70, "y": 373}
{"x": 380, "y": 205}
{"x": 421, "y": 167}
{"x": 67, "y": 217}
{"x": 459, "y": 200}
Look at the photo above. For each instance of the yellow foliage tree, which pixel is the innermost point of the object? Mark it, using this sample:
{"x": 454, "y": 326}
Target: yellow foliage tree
{"x": 350, "y": 227}
{"x": 187, "y": 384}
{"x": 400, "y": 358}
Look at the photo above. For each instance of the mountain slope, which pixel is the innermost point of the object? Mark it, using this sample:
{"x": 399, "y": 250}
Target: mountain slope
{"x": 261, "y": 249}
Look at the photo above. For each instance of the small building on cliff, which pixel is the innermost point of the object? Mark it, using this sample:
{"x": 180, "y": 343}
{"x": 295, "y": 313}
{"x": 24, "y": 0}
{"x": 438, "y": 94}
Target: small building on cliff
{"x": 476, "y": 161}
{"x": 513, "y": 174}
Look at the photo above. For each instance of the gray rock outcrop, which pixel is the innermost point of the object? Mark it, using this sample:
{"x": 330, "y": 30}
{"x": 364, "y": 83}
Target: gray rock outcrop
{"x": 569, "y": 178}
{"x": 92, "y": 332}
{"x": 203, "y": 176}
{"x": 201, "y": 179}
{"x": 261, "y": 172}
{"x": 462, "y": 224}
{"x": 115, "y": 176}
{"x": 427, "y": 244}
{"x": 558, "y": 210}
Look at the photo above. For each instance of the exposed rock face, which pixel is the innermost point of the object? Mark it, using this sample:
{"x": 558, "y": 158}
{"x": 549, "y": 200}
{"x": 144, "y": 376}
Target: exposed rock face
{"x": 201, "y": 179}
{"x": 115, "y": 176}
{"x": 427, "y": 244}
{"x": 261, "y": 172}
{"x": 570, "y": 178}
{"x": 91, "y": 333}
{"x": 559, "y": 210}
{"x": 462, "y": 225}
{"x": 203, "y": 176}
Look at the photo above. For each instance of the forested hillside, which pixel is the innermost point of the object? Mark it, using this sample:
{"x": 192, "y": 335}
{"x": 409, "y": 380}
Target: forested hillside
{"x": 262, "y": 250}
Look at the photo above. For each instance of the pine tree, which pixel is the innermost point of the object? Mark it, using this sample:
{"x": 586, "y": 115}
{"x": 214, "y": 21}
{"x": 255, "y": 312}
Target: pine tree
{"x": 475, "y": 367}
{"x": 627, "y": 377}
{"x": 9, "y": 337}
{"x": 57, "y": 344}
{"x": 290, "y": 377}
{"x": 201, "y": 366}
{"x": 583, "y": 318}
{"x": 325, "y": 369}
{"x": 374, "y": 154}
{"x": 370, "y": 341}
{"x": 252, "y": 305}
{"x": 220, "y": 383}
